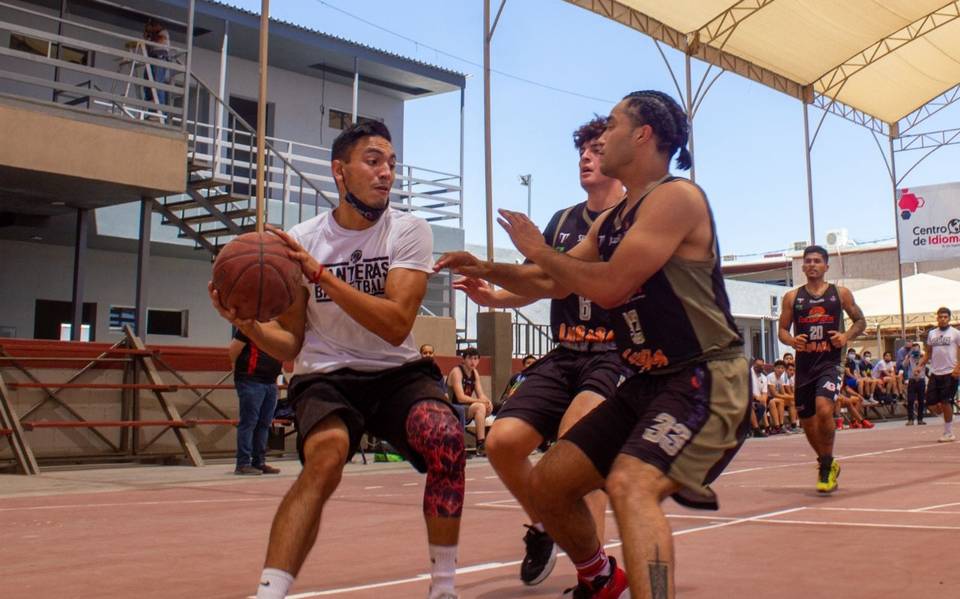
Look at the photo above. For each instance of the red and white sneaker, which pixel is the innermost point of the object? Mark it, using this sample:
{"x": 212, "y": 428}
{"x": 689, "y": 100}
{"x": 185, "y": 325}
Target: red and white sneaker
{"x": 613, "y": 586}
{"x": 855, "y": 424}
{"x": 866, "y": 423}
{"x": 839, "y": 424}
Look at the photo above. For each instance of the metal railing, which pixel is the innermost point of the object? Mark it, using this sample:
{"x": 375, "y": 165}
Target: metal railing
{"x": 130, "y": 90}
{"x": 530, "y": 338}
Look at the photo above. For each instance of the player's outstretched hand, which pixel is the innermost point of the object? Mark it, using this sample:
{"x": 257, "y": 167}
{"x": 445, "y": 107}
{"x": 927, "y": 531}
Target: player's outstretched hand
{"x": 477, "y": 290}
{"x": 295, "y": 251}
{"x": 462, "y": 263}
{"x": 228, "y": 314}
{"x": 800, "y": 342}
{"x": 525, "y": 235}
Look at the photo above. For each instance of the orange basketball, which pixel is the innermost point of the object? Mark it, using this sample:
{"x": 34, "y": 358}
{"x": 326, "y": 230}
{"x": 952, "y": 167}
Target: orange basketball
{"x": 254, "y": 276}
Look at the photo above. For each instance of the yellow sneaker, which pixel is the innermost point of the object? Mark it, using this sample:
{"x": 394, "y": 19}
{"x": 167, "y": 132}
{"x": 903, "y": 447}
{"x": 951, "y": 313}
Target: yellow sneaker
{"x": 827, "y": 481}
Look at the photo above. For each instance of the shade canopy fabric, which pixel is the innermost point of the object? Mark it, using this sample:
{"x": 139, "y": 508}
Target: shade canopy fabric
{"x": 922, "y": 294}
{"x": 884, "y": 58}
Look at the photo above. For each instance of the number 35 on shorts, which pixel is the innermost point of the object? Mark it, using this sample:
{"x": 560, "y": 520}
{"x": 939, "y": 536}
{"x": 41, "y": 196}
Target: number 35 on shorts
{"x": 669, "y": 434}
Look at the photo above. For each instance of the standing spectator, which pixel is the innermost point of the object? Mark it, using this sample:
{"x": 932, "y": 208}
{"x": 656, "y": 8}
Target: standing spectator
{"x": 916, "y": 385}
{"x": 465, "y": 389}
{"x": 255, "y": 378}
{"x": 944, "y": 344}
{"x": 156, "y": 33}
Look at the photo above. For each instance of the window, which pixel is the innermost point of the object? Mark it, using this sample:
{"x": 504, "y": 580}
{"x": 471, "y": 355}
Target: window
{"x": 341, "y": 120}
{"x": 121, "y": 316}
{"x": 159, "y": 322}
{"x": 167, "y": 322}
{"x": 32, "y": 45}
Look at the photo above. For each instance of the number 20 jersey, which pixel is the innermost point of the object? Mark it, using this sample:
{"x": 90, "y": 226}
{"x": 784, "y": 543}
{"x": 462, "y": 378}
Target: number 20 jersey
{"x": 816, "y": 317}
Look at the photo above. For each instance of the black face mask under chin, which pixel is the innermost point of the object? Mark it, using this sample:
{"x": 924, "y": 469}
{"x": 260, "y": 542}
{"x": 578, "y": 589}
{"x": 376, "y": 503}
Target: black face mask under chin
{"x": 368, "y": 212}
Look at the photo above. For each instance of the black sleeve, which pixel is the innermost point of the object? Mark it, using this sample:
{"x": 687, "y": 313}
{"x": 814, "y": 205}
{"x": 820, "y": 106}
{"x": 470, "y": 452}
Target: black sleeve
{"x": 240, "y": 336}
{"x": 551, "y": 229}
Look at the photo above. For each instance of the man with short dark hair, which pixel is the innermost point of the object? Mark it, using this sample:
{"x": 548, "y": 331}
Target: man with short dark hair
{"x": 815, "y": 313}
{"x": 943, "y": 347}
{"x": 463, "y": 384}
{"x": 255, "y": 377}
{"x": 357, "y": 369}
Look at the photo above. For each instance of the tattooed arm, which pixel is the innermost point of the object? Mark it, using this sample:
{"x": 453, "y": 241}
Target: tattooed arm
{"x": 856, "y": 315}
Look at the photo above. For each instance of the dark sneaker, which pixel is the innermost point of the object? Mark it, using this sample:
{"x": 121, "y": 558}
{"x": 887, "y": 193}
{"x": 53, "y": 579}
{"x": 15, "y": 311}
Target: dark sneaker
{"x": 247, "y": 471}
{"x": 827, "y": 477}
{"x": 265, "y": 469}
{"x": 540, "y": 558}
{"x": 481, "y": 451}
{"x": 614, "y": 586}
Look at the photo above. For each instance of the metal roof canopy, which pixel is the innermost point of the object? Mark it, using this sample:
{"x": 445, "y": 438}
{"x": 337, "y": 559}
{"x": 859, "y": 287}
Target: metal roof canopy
{"x": 887, "y": 65}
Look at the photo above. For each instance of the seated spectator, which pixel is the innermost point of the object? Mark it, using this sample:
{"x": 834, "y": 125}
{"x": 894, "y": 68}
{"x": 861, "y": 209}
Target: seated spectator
{"x": 788, "y": 359}
{"x": 867, "y": 385}
{"x": 465, "y": 389}
{"x": 916, "y": 375}
{"x": 778, "y": 398}
{"x": 885, "y": 372}
{"x": 427, "y": 351}
{"x": 514, "y": 383}
{"x": 853, "y": 401}
{"x": 758, "y": 387}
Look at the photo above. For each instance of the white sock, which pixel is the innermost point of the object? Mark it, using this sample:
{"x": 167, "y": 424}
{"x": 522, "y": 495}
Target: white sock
{"x": 539, "y": 527}
{"x": 274, "y": 584}
{"x": 948, "y": 427}
{"x": 443, "y": 566}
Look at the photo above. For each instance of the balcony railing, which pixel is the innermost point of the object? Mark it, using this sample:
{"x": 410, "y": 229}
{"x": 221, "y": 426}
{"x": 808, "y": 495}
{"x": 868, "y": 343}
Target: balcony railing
{"x": 129, "y": 88}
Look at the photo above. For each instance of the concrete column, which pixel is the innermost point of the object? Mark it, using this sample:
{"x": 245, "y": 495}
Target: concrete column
{"x": 494, "y": 339}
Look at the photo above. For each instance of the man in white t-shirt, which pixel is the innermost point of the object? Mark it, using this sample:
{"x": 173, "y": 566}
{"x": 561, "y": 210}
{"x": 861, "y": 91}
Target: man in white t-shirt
{"x": 356, "y": 368}
{"x": 943, "y": 345}
{"x": 777, "y": 388}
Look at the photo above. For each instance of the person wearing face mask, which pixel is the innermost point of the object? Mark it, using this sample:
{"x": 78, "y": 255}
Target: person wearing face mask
{"x": 916, "y": 376}
{"x": 866, "y": 384}
{"x": 944, "y": 344}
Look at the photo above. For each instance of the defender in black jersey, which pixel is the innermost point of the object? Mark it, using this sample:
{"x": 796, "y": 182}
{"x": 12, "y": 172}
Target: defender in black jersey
{"x": 654, "y": 262}
{"x": 815, "y": 311}
{"x": 572, "y": 379}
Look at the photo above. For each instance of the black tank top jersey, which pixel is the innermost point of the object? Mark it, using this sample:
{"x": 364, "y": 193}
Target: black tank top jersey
{"x": 681, "y": 314}
{"x": 576, "y": 321}
{"x": 469, "y": 382}
{"x": 815, "y": 317}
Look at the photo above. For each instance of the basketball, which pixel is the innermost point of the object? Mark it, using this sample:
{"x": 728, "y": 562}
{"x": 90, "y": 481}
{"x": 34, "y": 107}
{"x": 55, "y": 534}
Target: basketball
{"x": 254, "y": 276}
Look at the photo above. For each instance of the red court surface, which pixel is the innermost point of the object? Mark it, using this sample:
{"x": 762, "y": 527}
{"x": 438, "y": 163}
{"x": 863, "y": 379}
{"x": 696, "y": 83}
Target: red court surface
{"x": 891, "y": 531}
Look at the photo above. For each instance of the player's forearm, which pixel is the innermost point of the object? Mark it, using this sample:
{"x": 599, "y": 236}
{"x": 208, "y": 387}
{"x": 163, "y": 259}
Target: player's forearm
{"x": 785, "y": 337}
{"x": 275, "y": 340}
{"x": 507, "y": 299}
{"x": 594, "y": 281}
{"x": 380, "y": 315}
{"x": 856, "y": 329}
{"x": 523, "y": 280}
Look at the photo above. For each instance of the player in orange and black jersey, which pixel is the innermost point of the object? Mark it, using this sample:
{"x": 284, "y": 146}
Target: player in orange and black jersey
{"x": 815, "y": 312}
{"x": 569, "y": 381}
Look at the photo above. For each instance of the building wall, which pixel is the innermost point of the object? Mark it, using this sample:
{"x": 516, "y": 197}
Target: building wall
{"x": 41, "y": 271}
{"x": 867, "y": 268}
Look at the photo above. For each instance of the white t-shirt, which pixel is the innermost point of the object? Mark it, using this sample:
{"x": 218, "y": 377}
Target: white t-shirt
{"x": 777, "y": 382}
{"x": 943, "y": 350}
{"x": 759, "y": 381}
{"x": 333, "y": 339}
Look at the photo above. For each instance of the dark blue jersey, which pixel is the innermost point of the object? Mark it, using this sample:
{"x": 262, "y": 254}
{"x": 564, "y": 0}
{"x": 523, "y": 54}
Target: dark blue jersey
{"x": 575, "y": 321}
{"x": 816, "y": 316}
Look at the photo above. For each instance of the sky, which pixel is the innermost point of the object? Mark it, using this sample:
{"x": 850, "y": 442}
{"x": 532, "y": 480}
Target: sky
{"x": 748, "y": 138}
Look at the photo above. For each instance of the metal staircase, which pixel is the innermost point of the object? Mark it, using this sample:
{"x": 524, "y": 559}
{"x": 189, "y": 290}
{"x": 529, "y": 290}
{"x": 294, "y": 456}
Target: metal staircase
{"x": 219, "y": 201}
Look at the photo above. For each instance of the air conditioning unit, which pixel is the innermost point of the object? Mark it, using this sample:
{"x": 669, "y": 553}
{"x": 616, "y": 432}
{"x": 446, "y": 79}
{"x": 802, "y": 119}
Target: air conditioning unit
{"x": 798, "y": 246}
{"x": 838, "y": 238}
{"x": 774, "y": 305}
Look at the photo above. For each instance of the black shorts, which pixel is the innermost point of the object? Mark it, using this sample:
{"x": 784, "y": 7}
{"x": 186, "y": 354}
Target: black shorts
{"x": 825, "y": 384}
{"x": 941, "y": 388}
{"x": 687, "y": 424}
{"x": 551, "y": 383}
{"x": 373, "y": 402}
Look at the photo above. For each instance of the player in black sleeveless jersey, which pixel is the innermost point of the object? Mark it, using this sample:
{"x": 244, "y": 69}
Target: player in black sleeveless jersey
{"x": 654, "y": 262}
{"x": 815, "y": 311}
{"x": 568, "y": 382}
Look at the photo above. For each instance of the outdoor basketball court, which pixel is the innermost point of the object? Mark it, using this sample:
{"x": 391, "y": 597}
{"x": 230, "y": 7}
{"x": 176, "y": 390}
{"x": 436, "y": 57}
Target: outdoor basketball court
{"x": 186, "y": 532}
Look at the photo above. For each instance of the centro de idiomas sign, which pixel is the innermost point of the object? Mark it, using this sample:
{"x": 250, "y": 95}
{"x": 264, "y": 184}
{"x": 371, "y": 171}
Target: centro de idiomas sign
{"x": 929, "y": 221}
